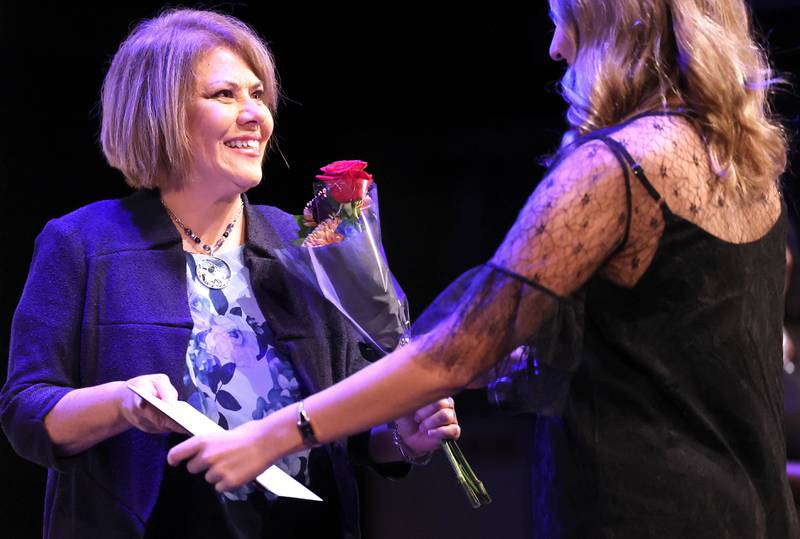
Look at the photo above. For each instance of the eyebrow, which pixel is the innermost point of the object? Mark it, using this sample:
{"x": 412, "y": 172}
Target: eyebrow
{"x": 230, "y": 82}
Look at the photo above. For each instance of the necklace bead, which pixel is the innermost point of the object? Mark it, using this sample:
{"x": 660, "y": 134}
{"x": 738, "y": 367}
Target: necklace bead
{"x": 207, "y": 249}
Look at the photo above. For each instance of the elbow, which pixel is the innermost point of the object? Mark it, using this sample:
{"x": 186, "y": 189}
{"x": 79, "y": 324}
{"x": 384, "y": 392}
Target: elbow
{"x": 12, "y": 421}
{"x": 26, "y": 436}
{"x": 23, "y": 415}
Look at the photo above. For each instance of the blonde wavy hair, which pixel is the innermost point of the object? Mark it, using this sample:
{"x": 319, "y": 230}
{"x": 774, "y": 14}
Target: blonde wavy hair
{"x": 639, "y": 55}
{"x": 151, "y": 79}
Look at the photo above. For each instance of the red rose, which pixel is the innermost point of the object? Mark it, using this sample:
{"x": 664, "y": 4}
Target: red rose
{"x": 347, "y": 181}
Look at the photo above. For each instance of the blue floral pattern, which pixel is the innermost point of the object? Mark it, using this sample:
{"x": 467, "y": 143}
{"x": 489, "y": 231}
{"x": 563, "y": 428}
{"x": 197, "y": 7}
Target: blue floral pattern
{"x": 233, "y": 372}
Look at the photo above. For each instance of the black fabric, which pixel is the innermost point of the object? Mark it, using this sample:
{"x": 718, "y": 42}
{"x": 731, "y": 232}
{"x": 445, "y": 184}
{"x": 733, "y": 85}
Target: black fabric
{"x": 673, "y": 425}
{"x": 189, "y": 507}
{"x": 641, "y": 321}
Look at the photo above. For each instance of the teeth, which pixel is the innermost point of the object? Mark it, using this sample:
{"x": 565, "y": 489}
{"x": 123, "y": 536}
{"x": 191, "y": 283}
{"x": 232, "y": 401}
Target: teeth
{"x": 242, "y": 144}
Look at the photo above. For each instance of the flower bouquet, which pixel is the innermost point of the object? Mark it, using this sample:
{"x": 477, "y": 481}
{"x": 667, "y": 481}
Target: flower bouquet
{"x": 339, "y": 253}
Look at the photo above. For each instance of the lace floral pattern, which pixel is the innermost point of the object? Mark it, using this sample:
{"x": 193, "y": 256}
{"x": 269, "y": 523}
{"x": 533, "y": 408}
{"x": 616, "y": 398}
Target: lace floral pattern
{"x": 638, "y": 298}
{"x": 592, "y": 214}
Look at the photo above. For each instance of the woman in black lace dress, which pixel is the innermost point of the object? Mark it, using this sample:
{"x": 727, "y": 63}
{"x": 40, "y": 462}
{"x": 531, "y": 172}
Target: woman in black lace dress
{"x": 642, "y": 281}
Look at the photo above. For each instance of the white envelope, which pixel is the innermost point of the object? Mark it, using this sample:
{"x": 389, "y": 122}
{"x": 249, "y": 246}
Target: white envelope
{"x": 273, "y": 478}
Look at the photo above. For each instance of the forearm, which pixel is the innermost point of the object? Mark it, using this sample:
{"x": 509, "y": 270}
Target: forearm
{"x": 396, "y": 385}
{"x": 85, "y": 417}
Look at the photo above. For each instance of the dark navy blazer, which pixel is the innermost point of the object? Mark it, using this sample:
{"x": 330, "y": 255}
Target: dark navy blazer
{"x": 106, "y": 300}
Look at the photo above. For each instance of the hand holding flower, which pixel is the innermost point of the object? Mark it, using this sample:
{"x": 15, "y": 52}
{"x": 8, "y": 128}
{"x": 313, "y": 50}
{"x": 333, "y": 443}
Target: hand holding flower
{"x": 344, "y": 261}
{"x": 423, "y": 431}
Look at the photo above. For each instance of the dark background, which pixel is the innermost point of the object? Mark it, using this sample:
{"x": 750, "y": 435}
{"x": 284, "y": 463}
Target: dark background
{"x": 451, "y": 106}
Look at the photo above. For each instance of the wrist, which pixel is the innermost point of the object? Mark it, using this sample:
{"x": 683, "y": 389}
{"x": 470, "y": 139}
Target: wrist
{"x": 123, "y": 399}
{"x": 407, "y": 453}
{"x": 277, "y": 433}
{"x": 304, "y": 427}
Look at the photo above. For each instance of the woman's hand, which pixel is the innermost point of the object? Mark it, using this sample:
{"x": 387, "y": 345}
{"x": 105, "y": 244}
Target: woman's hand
{"x": 141, "y": 415}
{"x": 230, "y": 459}
{"x": 89, "y": 415}
{"x": 423, "y": 431}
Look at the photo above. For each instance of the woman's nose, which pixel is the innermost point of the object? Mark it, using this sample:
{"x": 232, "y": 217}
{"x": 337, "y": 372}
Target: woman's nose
{"x": 254, "y": 111}
{"x": 555, "y": 46}
{"x": 554, "y": 52}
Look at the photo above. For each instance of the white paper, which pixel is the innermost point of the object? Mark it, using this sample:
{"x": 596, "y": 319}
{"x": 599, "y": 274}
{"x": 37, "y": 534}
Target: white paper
{"x": 273, "y": 478}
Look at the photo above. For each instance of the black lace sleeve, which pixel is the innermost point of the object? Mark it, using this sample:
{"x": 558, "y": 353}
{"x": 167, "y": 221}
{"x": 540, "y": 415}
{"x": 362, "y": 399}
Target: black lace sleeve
{"x": 524, "y": 306}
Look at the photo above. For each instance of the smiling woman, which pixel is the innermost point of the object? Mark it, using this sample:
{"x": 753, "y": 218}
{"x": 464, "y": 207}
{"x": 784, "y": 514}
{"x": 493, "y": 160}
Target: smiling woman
{"x": 175, "y": 290}
{"x": 229, "y": 123}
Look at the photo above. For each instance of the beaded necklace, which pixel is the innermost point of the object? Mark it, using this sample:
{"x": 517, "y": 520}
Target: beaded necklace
{"x": 212, "y": 271}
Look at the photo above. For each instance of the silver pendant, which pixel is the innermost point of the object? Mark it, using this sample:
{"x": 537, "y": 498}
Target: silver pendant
{"x": 214, "y": 272}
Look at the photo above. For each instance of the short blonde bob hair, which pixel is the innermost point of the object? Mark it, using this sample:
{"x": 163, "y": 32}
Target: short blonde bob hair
{"x": 638, "y": 55}
{"x": 151, "y": 79}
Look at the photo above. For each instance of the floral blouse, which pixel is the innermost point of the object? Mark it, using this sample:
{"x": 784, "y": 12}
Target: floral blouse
{"x": 234, "y": 373}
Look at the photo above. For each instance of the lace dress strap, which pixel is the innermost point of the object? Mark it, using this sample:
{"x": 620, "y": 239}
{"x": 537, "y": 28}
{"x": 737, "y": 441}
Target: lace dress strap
{"x": 626, "y": 158}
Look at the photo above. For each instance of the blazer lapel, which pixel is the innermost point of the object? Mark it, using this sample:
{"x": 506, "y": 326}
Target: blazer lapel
{"x": 151, "y": 221}
{"x": 293, "y": 312}
{"x": 288, "y": 306}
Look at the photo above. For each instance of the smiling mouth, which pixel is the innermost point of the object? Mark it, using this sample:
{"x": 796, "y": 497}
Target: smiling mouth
{"x": 242, "y": 144}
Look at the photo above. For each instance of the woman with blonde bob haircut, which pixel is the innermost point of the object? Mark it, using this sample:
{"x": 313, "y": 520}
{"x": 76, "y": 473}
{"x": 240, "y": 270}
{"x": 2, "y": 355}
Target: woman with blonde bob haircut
{"x": 640, "y": 291}
{"x": 144, "y": 132}
{"x": 176, "y": 290}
